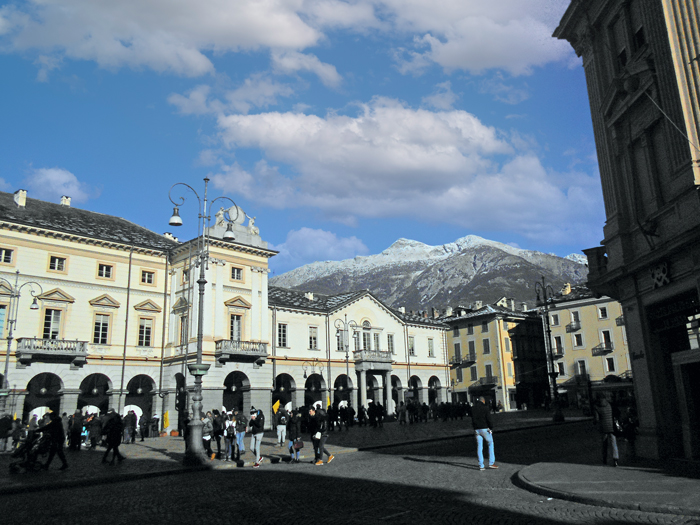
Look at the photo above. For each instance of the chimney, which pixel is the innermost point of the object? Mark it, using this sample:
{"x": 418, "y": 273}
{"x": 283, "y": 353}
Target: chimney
{"x": 435, "y": 312}
{"x": 448, "y": 311}
{"x": 402, "y": 309}
{"x": 512, "y": 305}
{"x": 309, "y": 296}
{"x": 477, "y": 305}
{"x": 523, "y": 306}
{"x": 65, "y": 200}
{"x": 566, "y": 290}
{"x": 462, "y": 313}
{"x": 21, "y": 198}
{"x": 425, "y": 314}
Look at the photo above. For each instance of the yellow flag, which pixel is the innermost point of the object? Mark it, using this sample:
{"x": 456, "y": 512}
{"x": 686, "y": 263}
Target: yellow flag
{"x": 276, "y": 406}
{"x": 15, "y": 415}
{"x": 166, "y": 420}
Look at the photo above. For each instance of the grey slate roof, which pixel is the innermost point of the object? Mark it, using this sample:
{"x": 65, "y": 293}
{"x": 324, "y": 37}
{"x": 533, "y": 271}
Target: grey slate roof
{"x": 66, "y": 219}
{"x": 489, "y": 309}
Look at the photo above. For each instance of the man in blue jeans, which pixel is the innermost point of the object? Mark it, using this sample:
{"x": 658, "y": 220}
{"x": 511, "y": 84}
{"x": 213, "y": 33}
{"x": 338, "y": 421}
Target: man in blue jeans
{"x": 483, "y": 427}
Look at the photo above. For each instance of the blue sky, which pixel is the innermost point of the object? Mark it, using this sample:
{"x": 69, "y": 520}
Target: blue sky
{"x": 341, "y": 125}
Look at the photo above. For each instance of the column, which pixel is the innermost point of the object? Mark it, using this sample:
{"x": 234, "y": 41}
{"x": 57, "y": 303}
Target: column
{"x": 298, "y": 397}
{"x": 69, "y": 401}
{"x": 363, "y": 388}
{"x": 387, "y": 392}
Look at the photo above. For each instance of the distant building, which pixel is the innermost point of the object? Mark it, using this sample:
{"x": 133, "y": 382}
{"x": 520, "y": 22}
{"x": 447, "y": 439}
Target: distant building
{"x": 643, "y": 77}
{"x": 589, "y": 345}
{"x": 498, "y": 353}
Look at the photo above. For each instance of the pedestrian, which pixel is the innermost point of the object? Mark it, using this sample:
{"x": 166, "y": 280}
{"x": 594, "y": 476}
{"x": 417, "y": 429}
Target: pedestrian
{"x": 318, "y": 428}
{"x": 217, "y": 422}
{"x": 282, "y": 418}
{"x": 76, "y": 430}
{"x": 230, "y": 436}
{"x": 95, "y": 431}
{"x": 241, "y": 426}
{"x": 129, "y": 427}
{"x": 113, "y": 429}
{"x": 401, "y": 413}
{"x": 207, "y": 432}
{"x": 257, "y": 427}
{"x": 603, "y": 418}
{"x": 144, "y": 422}
{"x": 54, "y": 429}
{"x": 294, "y": 435}
{"x": 483, "y": 431}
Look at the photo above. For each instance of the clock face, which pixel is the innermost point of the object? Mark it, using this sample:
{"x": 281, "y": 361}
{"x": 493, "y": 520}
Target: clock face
{"x": 237, "y": 214}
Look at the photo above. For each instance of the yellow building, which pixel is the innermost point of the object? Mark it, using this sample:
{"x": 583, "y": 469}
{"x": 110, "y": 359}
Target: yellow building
{"x": 497, "y": 352}
{"x": 589, "y": 345}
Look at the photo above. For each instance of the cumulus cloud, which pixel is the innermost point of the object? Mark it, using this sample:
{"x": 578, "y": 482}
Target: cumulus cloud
{"x": 390, "y": 160}
{"x": 308, "y": 245}
{"x": 442, "y": 98}
{"x": 51, "y": 183}
{"x": 504, "y": 91}
{"x": 292, "y": 61}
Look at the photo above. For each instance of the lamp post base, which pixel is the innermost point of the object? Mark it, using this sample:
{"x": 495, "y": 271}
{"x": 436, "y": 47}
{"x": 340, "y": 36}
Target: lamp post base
{"x": 195, "y": 455}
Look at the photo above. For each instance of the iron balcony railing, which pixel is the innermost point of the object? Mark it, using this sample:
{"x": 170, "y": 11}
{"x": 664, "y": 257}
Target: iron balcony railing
{"x": 34, "y": 345}
{"x": 558, "y": 352}
{"x": 372, "y": 355}
{"x": 573, "y": 326}
{"x": 620, "y": 321}
{"x": 603, "y": 348}
{"x": 484, "y": 381}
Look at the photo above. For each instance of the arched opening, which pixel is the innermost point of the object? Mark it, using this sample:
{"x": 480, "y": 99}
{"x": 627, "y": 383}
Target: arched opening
{"x": 342, "y": 389}
{"x": 236, "y": 391}
{"x": 372, "y": 389}
{"x": 434, "y": 390}
{"x": 313, "y": 389}
{"x": 415, "y": 389}
{"x": 284, "y": 389}
{"x": 396, "y": 391}
{"x": 43, "y": 390}
{"x": 139, "y": 392}
{"x": 95, "y": 393}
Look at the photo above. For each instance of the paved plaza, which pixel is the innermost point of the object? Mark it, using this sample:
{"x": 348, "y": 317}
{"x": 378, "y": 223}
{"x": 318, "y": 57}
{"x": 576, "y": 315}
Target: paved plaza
{"x": 433, "y": 477}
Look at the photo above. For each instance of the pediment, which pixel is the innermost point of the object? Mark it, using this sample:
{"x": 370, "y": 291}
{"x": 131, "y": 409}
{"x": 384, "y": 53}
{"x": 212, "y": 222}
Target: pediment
{"x": 181, "y": 304}
{"x": 57, "y": 295}
{"x": 148, "y": 306}
{"x": 5, "y": 289}
{"x": 105, "y": 300}
{"x": 238, "y": 302}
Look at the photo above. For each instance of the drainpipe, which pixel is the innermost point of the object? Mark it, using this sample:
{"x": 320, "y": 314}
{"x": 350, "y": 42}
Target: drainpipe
{"x": 162, "y": 342}
{"x": 501, "y": 359}
{"x": 126, "y": 327}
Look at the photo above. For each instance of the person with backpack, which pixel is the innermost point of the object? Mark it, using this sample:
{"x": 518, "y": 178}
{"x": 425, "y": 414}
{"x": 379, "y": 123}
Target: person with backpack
{"x": 282, "y": 418}
{"x": 318, "y": 428}
{"x": 207, "y": 432}
{"x": 217, "y": 422}
{"x": 257, "y": 427}
{"x": 230, "y": 436}
{"x": 241, "y": 426}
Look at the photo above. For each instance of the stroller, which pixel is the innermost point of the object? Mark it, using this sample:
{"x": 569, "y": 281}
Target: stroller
{"x": 29, "y": 451}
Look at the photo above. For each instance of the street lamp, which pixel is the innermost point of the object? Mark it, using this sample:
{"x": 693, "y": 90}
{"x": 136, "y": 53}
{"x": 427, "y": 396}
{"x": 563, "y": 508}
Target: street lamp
{"x": 194, "y": 455}
{"x": 544, "y": 294}
{"x": 343, "y": 329}
{"x": 13, "y": 309}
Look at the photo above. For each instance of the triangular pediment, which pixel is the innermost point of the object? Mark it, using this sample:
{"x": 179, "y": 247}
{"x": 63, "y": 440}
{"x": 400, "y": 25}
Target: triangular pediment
{"x": 105, "y": 300}
{"x": 147, "y": 306}
{"x": 181, "y": 304}
{"x": 238, "y": 302}
{"x": 5, "y": 289}
{"x": 57, "y": 295}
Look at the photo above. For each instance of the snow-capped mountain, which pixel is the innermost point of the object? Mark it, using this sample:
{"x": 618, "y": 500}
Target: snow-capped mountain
{"x": 416, "y": 275}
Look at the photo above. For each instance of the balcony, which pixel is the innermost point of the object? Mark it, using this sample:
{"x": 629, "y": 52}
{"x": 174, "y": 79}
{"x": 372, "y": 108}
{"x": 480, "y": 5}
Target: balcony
{"x": 558, "y": 352}
{"x": 463, "y": 361}
{"x": 456, "y": 362}
{"x": 573, "y": 326}
{"x": 603, "y": 349}
{"x": 32, "y": 350}
{"x": 372, "y": 360}
{"x": 241, "y": 351}
{"x": 484, "y": 382}
{"x": 620, "y": 321}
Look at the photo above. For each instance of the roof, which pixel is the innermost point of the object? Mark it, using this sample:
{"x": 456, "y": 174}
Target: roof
{"x": 287, "y": 298}
{"x": 577, "y": 293}
{"x": 489, "y": 309}
{"x": 74, "y": 221}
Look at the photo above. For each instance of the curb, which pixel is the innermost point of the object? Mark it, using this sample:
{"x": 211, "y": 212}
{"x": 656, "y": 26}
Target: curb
{"x": 520, "y": 480}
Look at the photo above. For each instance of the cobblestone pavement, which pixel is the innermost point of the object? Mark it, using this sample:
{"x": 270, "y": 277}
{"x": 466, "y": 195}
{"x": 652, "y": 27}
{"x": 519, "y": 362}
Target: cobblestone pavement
{"x": 436, "y": 482}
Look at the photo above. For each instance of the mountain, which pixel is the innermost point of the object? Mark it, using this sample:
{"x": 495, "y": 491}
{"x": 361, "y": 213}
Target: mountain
{"x": 417, "y": 276}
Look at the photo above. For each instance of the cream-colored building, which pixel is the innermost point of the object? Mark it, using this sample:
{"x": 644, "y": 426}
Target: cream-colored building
{"x": 497, "y": 352}
{"x": 589, "y": 345}
{"x": 391, "y": 356}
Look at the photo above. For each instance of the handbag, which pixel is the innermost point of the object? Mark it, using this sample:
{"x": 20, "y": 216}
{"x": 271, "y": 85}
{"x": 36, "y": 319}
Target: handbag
{"x": 298, "y": 444}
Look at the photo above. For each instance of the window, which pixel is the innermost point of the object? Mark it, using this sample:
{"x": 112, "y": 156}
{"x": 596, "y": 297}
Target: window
{"x": 455, "y": 331}
{"x": 3, "y": 314}
{"x": 183, "y": 330}
{"x": 148, "y": 277}
{"x": 472, "y": 347}
{"x": 282, "y": 335}
{"x": 487, "y": 346}
{"x": 581, "y": 367}
{"x": 411, "y": 345}
{"x": 339, "y": 340}
{"x": 376, "y": 342}
{"x": 185, "y": 275}
{"x": 390, "y": 343}
{"x": 558, "y": 345}
{"x": 507, "y": 343}
{"x": 235, "y": 327}
{"x": 509, "y": 368}
{"x": 575, "y": 318}
{"x": 52, "y": 324}
{"x": 473, "y": 374}
{"x": 236, "y": 273}
{"x": 101, "y": 333}
{"x": 313, "y": 337}
{"x": 555, "y": 319}
{"x": 484, "y": 327}
{"x": 460, "y": 378}
{"x": 470, "y": 329}
{"x": 145, "y": 331}
{"x": 6, "y": 255}
{"x": 458, "y": 352}
{"x": 602, "y": 312}
{"x": 366, "y": 340}
{"x": 104, "y": 271}
{"x": 607, "y": 338}
{"x": 609, "y": 364}
{"x": 578, "y": 340}
{"x": 57, "y": 264}
{"x": 561, "y": 369}
{"x": 431, "y": 348}
{"x": 489, "y": 370}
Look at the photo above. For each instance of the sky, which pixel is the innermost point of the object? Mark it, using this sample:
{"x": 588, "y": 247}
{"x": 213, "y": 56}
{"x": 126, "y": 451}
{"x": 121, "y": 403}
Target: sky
{"x": 340, "y": 125}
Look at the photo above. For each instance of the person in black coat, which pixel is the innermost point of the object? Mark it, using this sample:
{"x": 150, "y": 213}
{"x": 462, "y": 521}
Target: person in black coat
{"x": 113, "y": 430}
{"x": 318, "y": 428}
{"x": 54, "y": 429}
{"x": 483, "y": 431}
{"x": 294, "y": 434}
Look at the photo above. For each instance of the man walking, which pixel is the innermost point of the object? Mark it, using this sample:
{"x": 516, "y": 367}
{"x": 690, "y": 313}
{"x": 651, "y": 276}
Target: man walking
{"x": 483, "y": 427}
{"x": 603, "y": 417}
{"x": 318, "y": 428}
{"x": 257, "y": 427}
{"x": 54, "y": 428}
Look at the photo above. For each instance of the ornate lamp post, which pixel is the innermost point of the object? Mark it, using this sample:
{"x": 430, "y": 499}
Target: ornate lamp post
{"x": 343, "y": 329}
{"x": 195, "y": 449}
{"x": 12, "y": 311}
{"x": 544, "y": 293}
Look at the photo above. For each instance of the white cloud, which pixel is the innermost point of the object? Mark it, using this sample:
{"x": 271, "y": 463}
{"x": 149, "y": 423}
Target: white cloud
{"x": 394, "y": 161}
{"x": 289, "y": 62}
{"x": 51, "y": 183}
{"x": 442, "y": 98}
{"x": 308, "y": 245}
{"x": 503, "y": 91}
